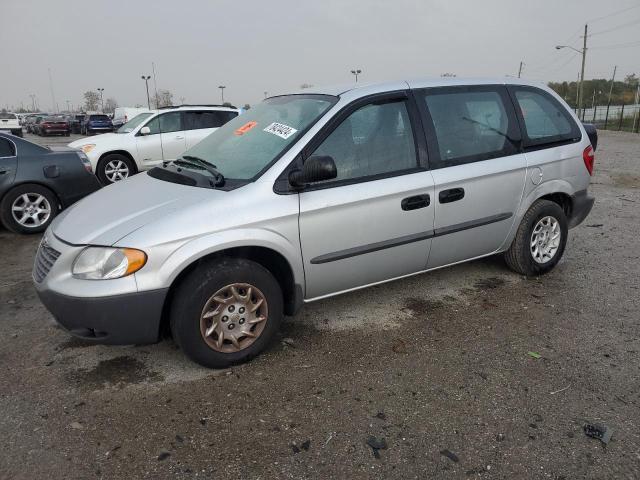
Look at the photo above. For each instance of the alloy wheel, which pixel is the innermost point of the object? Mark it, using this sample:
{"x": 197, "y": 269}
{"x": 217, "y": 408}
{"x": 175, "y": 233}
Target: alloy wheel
{"x": 31, "y": 210}
{"x": 116, "y": 170}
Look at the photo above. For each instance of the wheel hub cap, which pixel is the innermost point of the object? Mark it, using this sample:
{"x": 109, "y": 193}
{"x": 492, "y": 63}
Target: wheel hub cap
{"x": 233, "y": 317}
{"x": 31, "y": 210}
{"x": 545, "y": 239}
{"x": 116, "y": 170}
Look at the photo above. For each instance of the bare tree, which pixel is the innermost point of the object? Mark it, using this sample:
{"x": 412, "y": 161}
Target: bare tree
{"x": 110, "y": 105}
{"x": 305, "y": 85}
{"x": 164, "y": 98}
{"x": 246, "y": 106}
{"x": 91, "y": 100}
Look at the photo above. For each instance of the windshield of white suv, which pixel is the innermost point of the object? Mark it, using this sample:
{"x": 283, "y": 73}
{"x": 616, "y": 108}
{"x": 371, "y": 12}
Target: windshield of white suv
{"x": 133, "y": 123}
{"x": 247, "y": 145}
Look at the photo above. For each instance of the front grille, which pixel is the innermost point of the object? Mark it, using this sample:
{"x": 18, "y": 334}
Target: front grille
{"x": 45, "y": 258}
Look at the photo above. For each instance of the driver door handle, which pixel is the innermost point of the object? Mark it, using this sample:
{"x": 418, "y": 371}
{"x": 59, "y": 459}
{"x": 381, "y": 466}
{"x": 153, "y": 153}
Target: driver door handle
{"x": 415, "y": 202}
{"x": 451, "y": 195}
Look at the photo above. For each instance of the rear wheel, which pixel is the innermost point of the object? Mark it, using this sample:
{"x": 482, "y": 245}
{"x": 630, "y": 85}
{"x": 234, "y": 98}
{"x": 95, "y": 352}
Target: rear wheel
{"x": 226, "y": 312}
{"x": 114, "y": 167}
{"x": 28, "y": 208}
{"x": 540, "y": 240}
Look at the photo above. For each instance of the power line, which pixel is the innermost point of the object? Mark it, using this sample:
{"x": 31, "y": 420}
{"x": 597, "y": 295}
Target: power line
{"x": 617, "y": 27}
{"x": 613, "y": 14}
{"x": 619, "y": 45}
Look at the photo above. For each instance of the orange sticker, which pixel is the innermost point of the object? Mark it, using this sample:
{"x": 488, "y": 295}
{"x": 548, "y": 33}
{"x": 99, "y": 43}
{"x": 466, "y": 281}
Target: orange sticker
{"x": 245, "y": 128}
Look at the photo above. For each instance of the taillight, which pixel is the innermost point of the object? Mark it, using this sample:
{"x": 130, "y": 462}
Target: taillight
{"x": 589, "y": 157}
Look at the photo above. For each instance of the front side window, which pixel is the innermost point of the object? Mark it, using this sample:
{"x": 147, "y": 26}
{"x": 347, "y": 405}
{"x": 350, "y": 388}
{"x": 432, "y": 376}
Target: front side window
{"x": 545, "y": 120}
{"x": 207, "y": 119}
{"x": 470, "y": 124}
{"x": 6, "y": 148}
{"x": 131, "y": 125}
{"x": 166, "y": 123}
{"x": 375, "y": 139}
{"x": 244, "y": 147}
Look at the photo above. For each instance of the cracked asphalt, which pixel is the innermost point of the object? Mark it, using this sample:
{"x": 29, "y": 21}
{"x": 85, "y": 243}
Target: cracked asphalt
{"x": 433, "y": 376}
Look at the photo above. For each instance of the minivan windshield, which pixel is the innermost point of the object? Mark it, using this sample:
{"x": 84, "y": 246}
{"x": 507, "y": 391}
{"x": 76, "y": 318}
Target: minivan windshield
{"x": 133, "y": 123}
{"x": 242, "y": 148}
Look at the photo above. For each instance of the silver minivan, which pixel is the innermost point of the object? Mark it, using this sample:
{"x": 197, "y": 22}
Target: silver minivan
{"x": 314, "y": 194}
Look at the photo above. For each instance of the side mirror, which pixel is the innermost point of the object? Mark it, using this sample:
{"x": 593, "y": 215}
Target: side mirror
{"x": 145, "y": 131}
{"x": 316, "y": 169}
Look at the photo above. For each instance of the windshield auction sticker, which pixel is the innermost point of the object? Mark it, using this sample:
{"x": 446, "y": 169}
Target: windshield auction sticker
{"x": 281, "y": 130}
{"x": 245, "y": 128}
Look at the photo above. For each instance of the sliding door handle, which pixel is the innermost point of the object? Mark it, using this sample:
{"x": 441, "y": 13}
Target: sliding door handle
{"x": 415, "y": 202}
{"x": 451, "y": 195}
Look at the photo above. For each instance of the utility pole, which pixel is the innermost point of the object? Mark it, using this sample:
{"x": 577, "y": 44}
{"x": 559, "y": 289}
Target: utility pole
{"x": 155, "y": 85}
{"x": 520, "y": 69}
{"x": 613, "y": 78}
{"x": 584, "y": 58}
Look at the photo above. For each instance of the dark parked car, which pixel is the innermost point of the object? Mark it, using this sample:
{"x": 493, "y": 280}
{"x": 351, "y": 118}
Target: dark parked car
{"x": 76, "y": 122}
{"x": 36, "y": 183}
{"x": 54, "y": 125}
{"x": 96, "y": 123}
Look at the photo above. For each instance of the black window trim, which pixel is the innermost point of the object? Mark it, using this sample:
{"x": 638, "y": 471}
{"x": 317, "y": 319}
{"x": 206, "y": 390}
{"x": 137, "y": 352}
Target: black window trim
{"x": 530, "y": 145}
{"x": 436, "y": 162}
{"x": 282, "y": 186}
{"x": 15, "y": 147}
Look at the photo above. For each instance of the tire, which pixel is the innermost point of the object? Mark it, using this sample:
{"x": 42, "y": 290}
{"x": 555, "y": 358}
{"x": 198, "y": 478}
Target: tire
{"x": 194, "y": 295}
{"x": 118, "y": 162}
{"x": 521, "y": 257}
{"x": 14, "y": 198}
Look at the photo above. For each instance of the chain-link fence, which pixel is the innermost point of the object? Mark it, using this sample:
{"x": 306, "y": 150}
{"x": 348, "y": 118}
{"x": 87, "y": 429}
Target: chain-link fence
{"x": 624, "y": 118}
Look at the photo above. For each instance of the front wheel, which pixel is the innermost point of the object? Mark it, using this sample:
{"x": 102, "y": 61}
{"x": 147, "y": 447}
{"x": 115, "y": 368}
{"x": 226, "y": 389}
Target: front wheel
{"x": 226, "y": 312}
{"x": 540, "y": 240}
{"x": 28, "y": 208}
{"x": 114, "y": 167}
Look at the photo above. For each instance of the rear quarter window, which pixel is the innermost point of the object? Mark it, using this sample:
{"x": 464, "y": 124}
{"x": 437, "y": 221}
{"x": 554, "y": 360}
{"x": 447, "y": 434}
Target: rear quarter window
{"x": 544, "y": 120}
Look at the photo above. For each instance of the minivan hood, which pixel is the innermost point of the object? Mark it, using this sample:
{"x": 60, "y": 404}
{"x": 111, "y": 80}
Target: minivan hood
{"x": 115, "y": 211}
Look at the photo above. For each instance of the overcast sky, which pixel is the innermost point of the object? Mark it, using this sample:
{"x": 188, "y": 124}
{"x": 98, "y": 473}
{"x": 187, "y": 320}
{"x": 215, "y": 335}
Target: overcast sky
{"x": 252, "y": 46}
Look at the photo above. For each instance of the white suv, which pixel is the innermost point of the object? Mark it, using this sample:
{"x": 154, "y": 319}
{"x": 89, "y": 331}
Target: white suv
{"x": 151, "y": 138}
{"x": 10, "y": 123}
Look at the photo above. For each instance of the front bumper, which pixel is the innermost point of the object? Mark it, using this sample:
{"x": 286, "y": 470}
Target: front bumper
{"x": 117, "y": 320}
{"x": 582, "y": 204}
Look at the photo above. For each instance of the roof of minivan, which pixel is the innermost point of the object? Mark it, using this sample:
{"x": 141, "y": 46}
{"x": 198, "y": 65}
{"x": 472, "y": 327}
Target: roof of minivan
{"x": 369, "y": 88}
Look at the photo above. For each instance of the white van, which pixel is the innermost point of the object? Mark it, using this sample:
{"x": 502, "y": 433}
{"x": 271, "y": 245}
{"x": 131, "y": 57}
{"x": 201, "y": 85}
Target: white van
{"x": 122, "y": 115}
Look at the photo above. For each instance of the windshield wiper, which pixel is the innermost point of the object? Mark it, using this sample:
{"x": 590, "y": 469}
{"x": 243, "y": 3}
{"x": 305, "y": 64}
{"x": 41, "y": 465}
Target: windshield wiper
{"x": 209, "y": 167}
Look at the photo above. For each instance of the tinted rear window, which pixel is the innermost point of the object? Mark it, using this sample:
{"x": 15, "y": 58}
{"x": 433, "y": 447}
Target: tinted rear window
{"x": 99, "y": 117}
{"x": 7, "y": 116}
{"x": 207, "y": 119}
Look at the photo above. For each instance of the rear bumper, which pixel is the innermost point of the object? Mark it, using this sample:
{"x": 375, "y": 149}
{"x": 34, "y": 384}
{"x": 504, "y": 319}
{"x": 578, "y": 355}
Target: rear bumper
{"x": 582, "y": 204}
{"x": 118, "y": 320}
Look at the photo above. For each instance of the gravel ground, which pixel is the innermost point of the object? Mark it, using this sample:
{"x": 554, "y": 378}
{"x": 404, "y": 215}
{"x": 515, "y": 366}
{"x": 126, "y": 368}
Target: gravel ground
{"x": 435, "y": 367}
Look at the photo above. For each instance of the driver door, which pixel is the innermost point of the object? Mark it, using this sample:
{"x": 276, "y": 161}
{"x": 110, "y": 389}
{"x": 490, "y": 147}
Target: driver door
{"x": 166, "y": 140}
{"x": 374, "y": 221}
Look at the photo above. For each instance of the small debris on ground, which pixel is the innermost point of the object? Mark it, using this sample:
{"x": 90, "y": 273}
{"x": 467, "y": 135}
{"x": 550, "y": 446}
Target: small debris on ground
{"x": 534, "y": 354}
{"x": 163, "y": 456}
{"x": 595, "y": 225}
{"x": 377, "y": 444}
{"x": 288, "y": 342}
{"x": 601, "y": 432}
{"x": 303, "y": 446}
{"x": 381, "y": 415}
{"x": 76, "y": 425}
{"x": 399, "y": 346}
{"x": 450, "y": 455}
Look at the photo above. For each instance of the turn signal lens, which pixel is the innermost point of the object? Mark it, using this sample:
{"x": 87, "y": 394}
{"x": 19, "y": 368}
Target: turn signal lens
{"x": 87, "y": 148}
{"x": 589, "y": 157}
{"x": 136, "y": 258}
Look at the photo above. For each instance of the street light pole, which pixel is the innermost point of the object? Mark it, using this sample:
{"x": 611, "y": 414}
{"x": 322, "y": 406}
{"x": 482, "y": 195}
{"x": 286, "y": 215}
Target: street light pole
{"x": 356, "y": 73}
{"x": 101, "y": 102}
{"x": 222, "y": 87}
{"x": 146, "y": 81}
{"x": 520, "y": 69}
{"x": 583, "y": 52}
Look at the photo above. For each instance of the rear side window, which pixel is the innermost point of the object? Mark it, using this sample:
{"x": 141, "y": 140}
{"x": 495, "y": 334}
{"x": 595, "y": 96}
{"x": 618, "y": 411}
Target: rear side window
{"x": 471, "y": 124}
{"x": 207, "y": 119}
{"x": 7, "y": 116}
{"x": 6, "y": 148}
{"x": 545, "y": 120}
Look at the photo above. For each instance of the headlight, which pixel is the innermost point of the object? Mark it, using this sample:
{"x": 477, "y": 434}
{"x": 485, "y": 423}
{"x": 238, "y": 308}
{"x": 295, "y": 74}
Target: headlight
{"x": 88, "y": 147}
{"x": 102, "y": 263}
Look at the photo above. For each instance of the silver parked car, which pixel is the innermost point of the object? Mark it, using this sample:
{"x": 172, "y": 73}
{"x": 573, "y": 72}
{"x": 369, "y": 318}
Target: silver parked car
{"x": 311, "y": 195}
